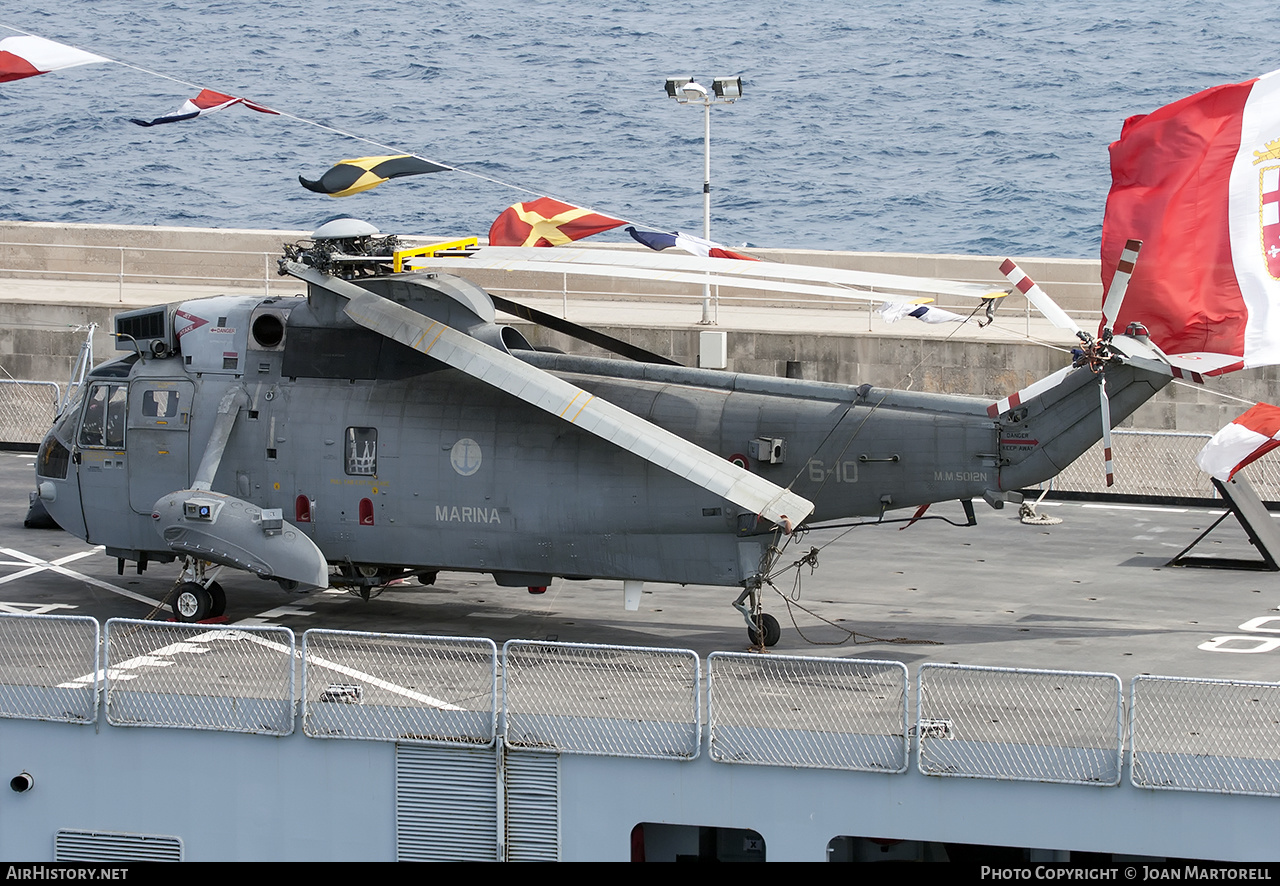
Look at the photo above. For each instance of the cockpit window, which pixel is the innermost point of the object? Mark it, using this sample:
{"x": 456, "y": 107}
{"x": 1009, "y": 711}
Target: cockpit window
{"x": 53, "y": 459}
{"x": 64, "y": 426}
{"x": 104, "y": 417}
{"x": 117, "y": 368}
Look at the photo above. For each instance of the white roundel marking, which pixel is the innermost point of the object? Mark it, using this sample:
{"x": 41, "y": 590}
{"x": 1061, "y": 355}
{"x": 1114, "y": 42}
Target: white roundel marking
{"x": 465, "y": 456}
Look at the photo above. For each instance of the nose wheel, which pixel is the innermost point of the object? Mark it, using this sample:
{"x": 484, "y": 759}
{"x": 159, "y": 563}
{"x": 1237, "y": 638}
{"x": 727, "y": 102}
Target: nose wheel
{"x": 191, "y": 602}
{"x": 197, "y": 598}
{"x": 194, "y": 602}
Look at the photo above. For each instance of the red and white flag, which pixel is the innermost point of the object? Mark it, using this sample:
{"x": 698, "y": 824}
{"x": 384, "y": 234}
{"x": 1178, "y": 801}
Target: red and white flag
{"x": 206, "y": 102}
{"x": 27, "y": 56}
{"x": 1198, "y": 181}
{"x": 1246, "y": 439}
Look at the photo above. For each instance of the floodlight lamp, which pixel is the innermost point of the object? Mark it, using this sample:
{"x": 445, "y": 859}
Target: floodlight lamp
{"x": 727, "y": 88}
{"x": 675, "y": 86}
{"x": 694, "y": 92}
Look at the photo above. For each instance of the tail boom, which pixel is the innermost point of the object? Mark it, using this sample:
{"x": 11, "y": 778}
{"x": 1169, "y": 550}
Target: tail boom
{"x": 1058, "y": 423}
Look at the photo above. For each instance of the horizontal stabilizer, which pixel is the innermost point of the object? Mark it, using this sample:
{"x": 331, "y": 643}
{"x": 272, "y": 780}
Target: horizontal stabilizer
{"x": 1194, "y": 366}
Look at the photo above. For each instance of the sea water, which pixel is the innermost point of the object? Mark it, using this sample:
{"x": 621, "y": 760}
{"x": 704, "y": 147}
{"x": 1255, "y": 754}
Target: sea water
{"x": 965, "y": 126}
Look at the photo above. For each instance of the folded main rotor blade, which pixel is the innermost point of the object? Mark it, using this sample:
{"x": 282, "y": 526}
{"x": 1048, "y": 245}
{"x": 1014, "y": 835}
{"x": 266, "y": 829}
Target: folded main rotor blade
{"x": 729, "y": 267}
{"x": 455, "y": 265}
{"x": 581, "y": 333}
{"x": 1038, "y": 297}
{"x": 594, "y": 415}
{"x": 1120, "y": 283}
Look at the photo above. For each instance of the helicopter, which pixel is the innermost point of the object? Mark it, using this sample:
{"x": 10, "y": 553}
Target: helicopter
{"x": 384, "y": 426}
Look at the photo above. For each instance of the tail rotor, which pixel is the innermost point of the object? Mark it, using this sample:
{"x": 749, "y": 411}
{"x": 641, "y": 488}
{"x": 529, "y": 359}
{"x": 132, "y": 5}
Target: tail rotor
{"x": 1106, "y": 430}
{"x": 1038, "y": 297}
{"x": 1095, "y": 353}
{"x": 1119, "y": 285}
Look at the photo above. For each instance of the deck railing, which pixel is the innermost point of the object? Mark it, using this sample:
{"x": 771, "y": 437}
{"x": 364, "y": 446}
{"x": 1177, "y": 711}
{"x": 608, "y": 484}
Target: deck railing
{"x": 1174, "y": 733}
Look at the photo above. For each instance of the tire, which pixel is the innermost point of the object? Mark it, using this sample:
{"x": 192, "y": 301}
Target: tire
{"x": 772, "y": 631}
{"x": 191, "y": 602}
{"x": 218, "y": 600}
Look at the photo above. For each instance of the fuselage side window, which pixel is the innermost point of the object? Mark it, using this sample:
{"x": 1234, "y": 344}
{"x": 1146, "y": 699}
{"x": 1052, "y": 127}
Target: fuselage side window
{"x": 160, "y": 404}
{"x": 362, "y": 451}
{"x": 104, "y": 417}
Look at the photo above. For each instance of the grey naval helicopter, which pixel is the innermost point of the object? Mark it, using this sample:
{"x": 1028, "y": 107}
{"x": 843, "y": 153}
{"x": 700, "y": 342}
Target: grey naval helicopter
{"x": 383, "y": 426}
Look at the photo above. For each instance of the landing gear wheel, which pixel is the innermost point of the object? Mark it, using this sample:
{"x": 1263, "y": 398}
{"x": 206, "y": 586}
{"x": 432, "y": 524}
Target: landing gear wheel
{"x": 217, "y": 598}
{"x": 772, "y": 631}
{"x": 191, "y": 602}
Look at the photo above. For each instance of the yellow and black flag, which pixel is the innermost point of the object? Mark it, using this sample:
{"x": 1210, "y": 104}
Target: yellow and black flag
{"x": 353, "y": 176}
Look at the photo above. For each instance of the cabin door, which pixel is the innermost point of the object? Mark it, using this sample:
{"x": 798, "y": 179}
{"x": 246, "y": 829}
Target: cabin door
{"x": 159, "y": 430}
{"x": 100, "y": 457}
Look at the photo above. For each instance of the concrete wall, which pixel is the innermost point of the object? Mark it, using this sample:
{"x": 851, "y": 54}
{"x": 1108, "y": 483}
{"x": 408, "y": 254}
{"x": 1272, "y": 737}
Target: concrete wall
{"x": 172, "y": 255}
{"x": 147, "y": 254}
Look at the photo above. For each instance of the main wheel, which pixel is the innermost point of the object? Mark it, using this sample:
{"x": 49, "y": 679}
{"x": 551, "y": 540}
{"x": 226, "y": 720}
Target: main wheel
{"x": 218, "y": 600}
{"x": 772, "y": 631}
{"x": 192, "y": 602}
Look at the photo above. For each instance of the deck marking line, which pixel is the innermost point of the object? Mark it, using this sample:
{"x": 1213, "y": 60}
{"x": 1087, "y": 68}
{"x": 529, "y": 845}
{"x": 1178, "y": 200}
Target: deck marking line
{"x": 346, "y": 671}
{"x": 1137, "y": 508}
{"x": 38, "y": 565}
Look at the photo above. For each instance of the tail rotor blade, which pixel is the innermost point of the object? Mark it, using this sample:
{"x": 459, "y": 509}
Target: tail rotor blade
{"x": 1038, "y": 297}
{"x": 1120, "y": 283}
{"x": 1106, "y": 429}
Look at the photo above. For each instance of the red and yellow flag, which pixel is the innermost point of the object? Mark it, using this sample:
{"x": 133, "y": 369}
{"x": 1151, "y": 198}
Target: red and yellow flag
{"x": 547, "y": 222}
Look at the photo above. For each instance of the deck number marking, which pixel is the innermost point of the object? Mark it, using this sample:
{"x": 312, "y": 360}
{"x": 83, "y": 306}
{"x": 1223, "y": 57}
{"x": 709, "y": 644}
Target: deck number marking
{"x": 1248, "y": 644}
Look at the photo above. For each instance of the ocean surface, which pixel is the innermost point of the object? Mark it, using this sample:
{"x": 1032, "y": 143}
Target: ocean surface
{"x": 955, "y": 126}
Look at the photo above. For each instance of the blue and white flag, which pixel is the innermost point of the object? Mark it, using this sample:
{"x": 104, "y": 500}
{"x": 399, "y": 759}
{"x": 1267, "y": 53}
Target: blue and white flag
{"x": 660, "y": 240}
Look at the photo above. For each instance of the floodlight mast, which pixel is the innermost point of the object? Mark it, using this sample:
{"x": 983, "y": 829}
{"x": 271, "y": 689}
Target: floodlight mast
{"x": 687, "y": 91}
